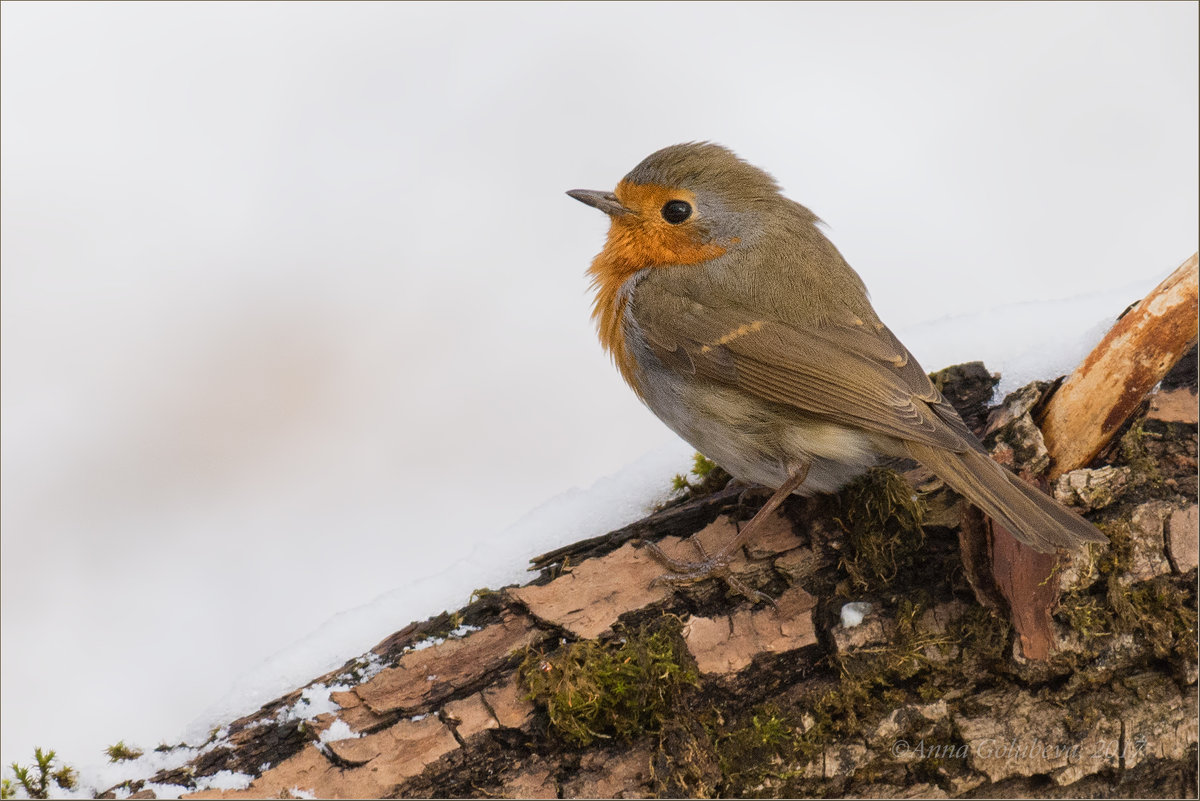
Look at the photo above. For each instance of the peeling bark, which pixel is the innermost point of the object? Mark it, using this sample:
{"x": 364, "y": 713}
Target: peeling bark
{"x": 1104, "y": 391}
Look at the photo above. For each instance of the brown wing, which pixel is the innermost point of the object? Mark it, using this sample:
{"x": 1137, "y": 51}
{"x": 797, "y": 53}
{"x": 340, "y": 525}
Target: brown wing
{"x": 848, "y": 371}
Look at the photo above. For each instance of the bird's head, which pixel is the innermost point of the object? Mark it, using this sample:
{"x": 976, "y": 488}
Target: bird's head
{"x": 683, "y": 204}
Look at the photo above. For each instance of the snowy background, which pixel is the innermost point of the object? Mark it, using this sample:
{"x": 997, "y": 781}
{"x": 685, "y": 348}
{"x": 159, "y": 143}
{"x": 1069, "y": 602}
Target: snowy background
{"x": 295, "y": 330}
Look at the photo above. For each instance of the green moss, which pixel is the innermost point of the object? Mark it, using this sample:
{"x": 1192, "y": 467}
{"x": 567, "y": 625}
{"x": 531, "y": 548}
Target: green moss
{"x": 881, "y": 517}
{"x": 984, "y": 639}
{"x": 1159, "y": 613}
{"x": 768, "y": 750}
{"x": 769, "y": 754}
{"x": 622, "y": 689}
{"x": 914, "y": 665}
{"x": 703, "y": 466}
{"x": 42, "y": 778}
{"x": 762, "y": 753}
{"x": 1086, "y": 615}
{"x": 1135, "y": 454}
{"x": 709, "y": 477}
{"x": 771, "y": 750}
{"x": 121, "y": 752}
{"x": 905, "y": 653}
{"x": 482, "y": 592}
{"x": 685, "y": 763}
{"x": 1118, "y": 557}
{"x": 1089, "y": 610}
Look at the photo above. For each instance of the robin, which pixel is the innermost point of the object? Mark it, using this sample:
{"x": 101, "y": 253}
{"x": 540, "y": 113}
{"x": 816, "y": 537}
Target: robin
{"x": 743, "y": 329}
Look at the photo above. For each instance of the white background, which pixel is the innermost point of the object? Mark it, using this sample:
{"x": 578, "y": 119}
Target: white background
{"x": 294, "y": 312}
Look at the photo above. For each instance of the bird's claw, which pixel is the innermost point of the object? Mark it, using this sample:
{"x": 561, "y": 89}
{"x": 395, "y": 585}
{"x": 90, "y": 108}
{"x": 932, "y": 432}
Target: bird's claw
{"x": 683, "y": 573}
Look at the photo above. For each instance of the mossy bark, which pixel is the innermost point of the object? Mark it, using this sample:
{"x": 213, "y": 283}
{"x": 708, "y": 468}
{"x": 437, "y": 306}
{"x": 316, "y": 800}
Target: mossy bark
{"x": 926, "y": 696}
{"x": 933, "y": 702}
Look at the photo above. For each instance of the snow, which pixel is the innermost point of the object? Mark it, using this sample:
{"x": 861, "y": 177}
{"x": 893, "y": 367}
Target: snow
{"x": 854, "y": 612}
{"x": 493, "y": 561}
{"x": 1025, "y": 341}
{"x": 224, "y": 780}
{"x": 314, "y": 700}
{"x": 264, "y": 403}
{"x": 338, "y": 730}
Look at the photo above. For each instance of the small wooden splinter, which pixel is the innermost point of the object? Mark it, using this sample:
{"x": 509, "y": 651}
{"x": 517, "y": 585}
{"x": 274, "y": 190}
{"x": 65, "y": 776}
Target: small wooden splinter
{"x": 1100, "y": 395}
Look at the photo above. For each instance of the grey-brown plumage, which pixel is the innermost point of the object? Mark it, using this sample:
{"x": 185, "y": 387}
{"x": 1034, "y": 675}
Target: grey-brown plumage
{"x": 745, "y": 331}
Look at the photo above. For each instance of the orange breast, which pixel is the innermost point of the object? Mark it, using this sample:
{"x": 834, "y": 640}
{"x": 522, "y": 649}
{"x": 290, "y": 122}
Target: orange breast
{"x": 635, "y": 242}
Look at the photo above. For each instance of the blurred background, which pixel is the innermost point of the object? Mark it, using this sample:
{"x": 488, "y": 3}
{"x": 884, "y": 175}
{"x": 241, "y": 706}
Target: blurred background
{"x": 293, "y": 305}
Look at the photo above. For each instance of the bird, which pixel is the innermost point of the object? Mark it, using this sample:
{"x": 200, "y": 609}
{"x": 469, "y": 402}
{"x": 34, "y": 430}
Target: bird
{"x": 741, "y": 326}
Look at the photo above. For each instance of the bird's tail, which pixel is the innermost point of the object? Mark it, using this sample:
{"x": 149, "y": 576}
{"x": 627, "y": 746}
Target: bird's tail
{"x": 1034, "y": 518}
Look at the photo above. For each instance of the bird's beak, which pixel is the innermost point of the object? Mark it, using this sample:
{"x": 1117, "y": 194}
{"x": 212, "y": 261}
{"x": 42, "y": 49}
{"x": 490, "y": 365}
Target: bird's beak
{"x": 605, "y": 201}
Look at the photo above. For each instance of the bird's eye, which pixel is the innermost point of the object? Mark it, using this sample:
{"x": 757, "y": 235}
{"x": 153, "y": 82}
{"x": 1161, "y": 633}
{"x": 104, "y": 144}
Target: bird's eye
{"x": 676, "y": 211}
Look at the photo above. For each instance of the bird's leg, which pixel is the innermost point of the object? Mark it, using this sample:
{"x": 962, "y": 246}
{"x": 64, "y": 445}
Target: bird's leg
{"x": 718, "y": 564}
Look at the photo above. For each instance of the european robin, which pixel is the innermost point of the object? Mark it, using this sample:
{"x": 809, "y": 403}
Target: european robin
{"x": 743, "y": 329}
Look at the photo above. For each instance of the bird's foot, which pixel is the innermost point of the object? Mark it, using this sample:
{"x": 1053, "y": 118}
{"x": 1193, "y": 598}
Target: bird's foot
{"x": 716, "y": 566}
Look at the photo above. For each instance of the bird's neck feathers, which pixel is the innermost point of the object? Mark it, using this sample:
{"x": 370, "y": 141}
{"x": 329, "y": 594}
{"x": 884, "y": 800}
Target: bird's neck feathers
{"x": 636, "y": 242}
{"x": 610, "y": 272}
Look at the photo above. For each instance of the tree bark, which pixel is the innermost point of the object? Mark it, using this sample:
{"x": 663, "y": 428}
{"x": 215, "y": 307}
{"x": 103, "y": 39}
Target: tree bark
{"x": 588, "y": 682}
